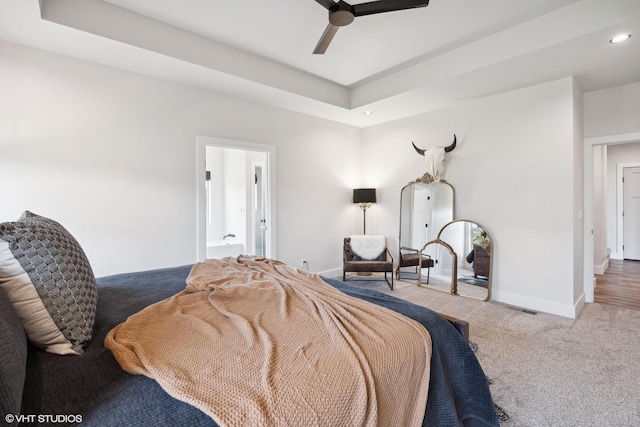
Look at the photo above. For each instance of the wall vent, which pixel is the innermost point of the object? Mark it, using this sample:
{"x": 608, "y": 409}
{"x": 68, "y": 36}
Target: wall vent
{"x": 523, "y": 310}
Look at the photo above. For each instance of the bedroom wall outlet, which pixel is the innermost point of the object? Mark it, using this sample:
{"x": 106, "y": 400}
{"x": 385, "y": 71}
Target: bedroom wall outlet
{"x": 304, "y": 264}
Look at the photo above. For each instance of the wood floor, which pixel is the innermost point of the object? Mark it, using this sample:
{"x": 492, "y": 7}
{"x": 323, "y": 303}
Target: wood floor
{"x": 619, "y": 285}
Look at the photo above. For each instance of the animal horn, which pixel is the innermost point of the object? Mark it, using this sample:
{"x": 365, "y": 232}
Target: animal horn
{"x": 421, "y": 152}
{"x": 452, "y": 146}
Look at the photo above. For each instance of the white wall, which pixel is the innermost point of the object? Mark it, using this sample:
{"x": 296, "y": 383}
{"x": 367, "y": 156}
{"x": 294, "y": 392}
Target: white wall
{"x": 612, "y": 111}
{"x": 600, "y": 216}
{"x": 235, "y": 195}
{"x": 111, "y": 155}
{"x": 215, "y": 228}
{"x": 578, "y": 198}
{"x": 514, "y": 172}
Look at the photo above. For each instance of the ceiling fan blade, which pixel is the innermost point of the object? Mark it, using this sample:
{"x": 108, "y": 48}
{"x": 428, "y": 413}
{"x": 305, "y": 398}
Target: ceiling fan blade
{"x": 381, "y": 6}
{"x": 326, "y": 38}
{"x": 327, "y": 4}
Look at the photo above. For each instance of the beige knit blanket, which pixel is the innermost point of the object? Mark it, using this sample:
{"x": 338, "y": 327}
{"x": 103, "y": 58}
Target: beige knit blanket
{"x": 254, "y": 342}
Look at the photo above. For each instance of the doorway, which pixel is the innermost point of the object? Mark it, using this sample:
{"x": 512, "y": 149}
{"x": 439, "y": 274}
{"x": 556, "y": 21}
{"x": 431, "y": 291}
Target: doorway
{"x": 631, "y": 213}
{"x": 589, "y": 204}
{"x": 235, "y": 194}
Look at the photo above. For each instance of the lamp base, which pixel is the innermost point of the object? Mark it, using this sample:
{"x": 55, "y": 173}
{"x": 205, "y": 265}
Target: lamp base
{"x": 364, "y": 207}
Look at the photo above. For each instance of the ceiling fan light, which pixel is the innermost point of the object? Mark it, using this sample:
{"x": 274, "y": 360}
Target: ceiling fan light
{"x": 620, "y": 38}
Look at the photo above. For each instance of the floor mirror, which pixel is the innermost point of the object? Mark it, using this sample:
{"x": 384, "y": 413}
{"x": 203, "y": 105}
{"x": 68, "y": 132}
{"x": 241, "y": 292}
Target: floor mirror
{"x": 424, "y": 209}
{"x": 474, "y": 248}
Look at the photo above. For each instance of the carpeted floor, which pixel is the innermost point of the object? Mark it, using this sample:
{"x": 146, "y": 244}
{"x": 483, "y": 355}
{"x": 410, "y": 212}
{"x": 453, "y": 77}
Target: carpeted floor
{"x": 549, "y": 370}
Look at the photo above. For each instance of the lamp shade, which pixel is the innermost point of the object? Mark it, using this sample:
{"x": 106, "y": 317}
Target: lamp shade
{"x": 364, "y": 195}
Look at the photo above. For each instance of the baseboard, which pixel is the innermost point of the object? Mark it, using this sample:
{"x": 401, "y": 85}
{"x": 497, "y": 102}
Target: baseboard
{"x": 537, "y": 304}
{"x": 600, "y": 269}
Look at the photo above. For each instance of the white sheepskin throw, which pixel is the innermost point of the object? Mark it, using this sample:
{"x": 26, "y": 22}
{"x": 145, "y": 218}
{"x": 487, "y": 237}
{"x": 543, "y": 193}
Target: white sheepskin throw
{"x": 368, "y": 247}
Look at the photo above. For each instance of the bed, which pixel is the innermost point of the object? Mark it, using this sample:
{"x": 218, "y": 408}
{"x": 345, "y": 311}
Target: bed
{"x": 42, "y": 388}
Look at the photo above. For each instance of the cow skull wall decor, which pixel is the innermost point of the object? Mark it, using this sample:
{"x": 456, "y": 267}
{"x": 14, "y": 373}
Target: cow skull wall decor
{"x": 435, "y": 158}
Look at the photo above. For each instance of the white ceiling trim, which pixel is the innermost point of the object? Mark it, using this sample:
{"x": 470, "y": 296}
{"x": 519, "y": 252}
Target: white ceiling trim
{"x": 115, "y": 23}
{"x": 546, "y": 42}
{"x": 568, "y": 23}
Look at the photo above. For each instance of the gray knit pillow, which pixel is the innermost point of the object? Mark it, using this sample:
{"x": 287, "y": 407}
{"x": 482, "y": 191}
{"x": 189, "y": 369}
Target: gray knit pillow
{"x": 13, "y": 359}
{"x": 48, "y": 279}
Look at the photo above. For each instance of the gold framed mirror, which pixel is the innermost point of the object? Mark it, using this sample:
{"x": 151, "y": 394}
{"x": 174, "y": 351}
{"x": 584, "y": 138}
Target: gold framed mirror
{"x": 425, "y": 207}
{"x": 474, "y": 248}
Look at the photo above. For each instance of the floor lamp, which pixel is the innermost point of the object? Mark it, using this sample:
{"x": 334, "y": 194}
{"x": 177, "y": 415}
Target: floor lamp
{"x": 364, "y": 196}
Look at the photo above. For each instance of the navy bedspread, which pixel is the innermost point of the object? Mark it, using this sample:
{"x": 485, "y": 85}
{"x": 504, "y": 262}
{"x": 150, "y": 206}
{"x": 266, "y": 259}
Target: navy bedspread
{"x": 94, "y": 387}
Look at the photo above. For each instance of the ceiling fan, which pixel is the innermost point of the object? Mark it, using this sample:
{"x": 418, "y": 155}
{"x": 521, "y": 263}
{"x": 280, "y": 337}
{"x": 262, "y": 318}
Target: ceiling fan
{"x": 342, "y": 13}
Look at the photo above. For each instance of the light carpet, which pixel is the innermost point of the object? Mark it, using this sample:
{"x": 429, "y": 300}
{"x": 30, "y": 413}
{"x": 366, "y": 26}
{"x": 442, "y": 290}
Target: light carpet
{"x": 548, "y": 370}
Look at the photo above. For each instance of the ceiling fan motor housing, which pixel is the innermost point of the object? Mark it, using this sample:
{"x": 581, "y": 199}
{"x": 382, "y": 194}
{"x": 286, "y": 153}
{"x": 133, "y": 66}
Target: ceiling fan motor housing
{"x": 341, "y": 14}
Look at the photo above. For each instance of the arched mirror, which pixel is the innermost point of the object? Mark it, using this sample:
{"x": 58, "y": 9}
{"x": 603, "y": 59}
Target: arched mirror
{"x": 474, "y": 248}
{"x": 424, "y": 209}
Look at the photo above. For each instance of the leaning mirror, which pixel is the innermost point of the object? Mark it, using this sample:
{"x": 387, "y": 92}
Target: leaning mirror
{"x": 424, "y": 209}
{"x": 474, "y": 247}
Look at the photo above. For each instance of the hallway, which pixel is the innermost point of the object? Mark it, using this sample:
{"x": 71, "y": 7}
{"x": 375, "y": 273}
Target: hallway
{"x": 620, "y": 285}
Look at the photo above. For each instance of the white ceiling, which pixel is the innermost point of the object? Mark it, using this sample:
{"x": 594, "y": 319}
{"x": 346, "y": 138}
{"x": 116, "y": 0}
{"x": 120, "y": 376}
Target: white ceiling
{"x": 395, "y": 64}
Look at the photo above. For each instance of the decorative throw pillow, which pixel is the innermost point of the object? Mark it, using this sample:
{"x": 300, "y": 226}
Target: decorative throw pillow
{"x": 48, "y": 279}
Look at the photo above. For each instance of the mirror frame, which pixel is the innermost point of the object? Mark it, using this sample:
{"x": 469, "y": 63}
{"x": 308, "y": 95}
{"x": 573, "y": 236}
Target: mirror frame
{"x": 454, "y": 267}
{"x": 454, "y": 287}
{"x": 410, "y": 184}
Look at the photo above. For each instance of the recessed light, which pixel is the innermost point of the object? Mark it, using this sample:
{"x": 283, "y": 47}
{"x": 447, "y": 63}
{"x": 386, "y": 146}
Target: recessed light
{"x": 620, "y": 38}
{"x": 368, "y": 113}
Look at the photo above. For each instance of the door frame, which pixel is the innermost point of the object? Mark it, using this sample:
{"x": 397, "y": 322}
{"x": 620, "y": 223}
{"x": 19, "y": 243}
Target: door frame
{"x": 270, "y": 183}
{"x": 620, "y": 205}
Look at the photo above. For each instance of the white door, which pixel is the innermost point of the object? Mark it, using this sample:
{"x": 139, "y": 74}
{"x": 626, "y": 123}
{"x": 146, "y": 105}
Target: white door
{"x": 631, "y": 213}
{"x": 421, "y": 230}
